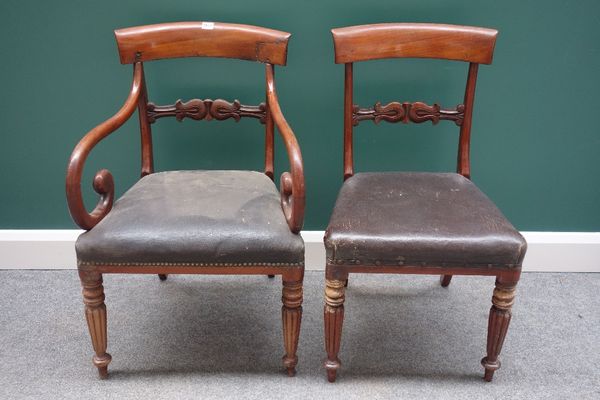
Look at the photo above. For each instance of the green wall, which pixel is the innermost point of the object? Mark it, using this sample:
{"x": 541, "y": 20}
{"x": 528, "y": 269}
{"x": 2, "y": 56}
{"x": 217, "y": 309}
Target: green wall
{"x": 536, "y": 140}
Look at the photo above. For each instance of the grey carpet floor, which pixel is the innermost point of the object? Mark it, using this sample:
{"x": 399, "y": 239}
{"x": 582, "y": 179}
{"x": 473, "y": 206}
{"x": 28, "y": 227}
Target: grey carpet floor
{"x": 200, "y": 337}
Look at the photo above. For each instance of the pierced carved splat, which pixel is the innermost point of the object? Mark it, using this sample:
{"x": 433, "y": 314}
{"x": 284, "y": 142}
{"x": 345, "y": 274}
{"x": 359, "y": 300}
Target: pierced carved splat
{"x": 416, "y": 112}
{"x": 206, "y": 109}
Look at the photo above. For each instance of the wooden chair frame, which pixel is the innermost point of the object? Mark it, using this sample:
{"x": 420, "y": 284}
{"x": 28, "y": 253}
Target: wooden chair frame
{"x": 191, "y": 39}
{"x": 403, "y": 40}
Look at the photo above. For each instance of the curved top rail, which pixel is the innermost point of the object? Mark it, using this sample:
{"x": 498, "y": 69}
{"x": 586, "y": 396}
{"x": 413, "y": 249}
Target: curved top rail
{"x": 202, "y": 39}
{"x": 412, "y": 40}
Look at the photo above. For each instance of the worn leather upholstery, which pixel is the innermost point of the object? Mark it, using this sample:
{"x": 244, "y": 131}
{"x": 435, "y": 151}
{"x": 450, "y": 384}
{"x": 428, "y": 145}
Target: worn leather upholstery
{"x": 200, "y": 218}
{"x": 435, "y": 219}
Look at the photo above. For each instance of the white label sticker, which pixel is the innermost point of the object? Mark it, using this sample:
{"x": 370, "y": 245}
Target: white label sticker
{"x": 208, "y": 25}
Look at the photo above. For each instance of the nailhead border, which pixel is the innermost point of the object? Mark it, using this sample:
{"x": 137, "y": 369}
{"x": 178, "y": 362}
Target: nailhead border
{"x": 401, "y": 263}
{"x": 183, "y": 264}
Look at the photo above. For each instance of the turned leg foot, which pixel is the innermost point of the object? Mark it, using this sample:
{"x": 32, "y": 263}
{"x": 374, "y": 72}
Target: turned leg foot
{"x": 102, "y": 364}
{"x": 95, "y": 314}
{"x": 162, "y": 277}
{"x": 334, "y": 317}
{"x": 500, "y": 315}
{"x": 445, "y": 280}
{"x": 291, "y": 314}
{"x": 332, "y": 371}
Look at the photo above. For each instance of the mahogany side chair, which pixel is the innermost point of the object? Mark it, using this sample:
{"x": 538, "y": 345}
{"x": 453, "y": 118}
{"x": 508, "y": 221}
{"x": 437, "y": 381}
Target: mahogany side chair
{"x": 417, "y": 222}
{"x": 193, "y": 222}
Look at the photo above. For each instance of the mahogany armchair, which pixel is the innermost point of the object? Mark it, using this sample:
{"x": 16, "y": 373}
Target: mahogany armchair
{"x": 417, "y": 222}
{"x": 193, "y": 222}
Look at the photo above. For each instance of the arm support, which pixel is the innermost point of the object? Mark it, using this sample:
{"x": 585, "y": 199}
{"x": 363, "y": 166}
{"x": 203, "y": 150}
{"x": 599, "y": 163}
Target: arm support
{"x": 292, "y": 185}
{"x": 103, "y": 181}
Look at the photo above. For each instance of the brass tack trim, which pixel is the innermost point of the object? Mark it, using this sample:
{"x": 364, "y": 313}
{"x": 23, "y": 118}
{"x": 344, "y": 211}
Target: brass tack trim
{"x": 415, "y": 263}
{"x": 184, "y": 264}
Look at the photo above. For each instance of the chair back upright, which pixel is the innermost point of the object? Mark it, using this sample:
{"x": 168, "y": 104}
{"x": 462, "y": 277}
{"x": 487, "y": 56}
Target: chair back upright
{"x": 411, "y": 40}
{"x": 202, "y": 39}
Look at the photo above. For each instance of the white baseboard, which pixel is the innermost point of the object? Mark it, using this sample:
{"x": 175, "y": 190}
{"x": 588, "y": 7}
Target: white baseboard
{"x": 547, "y": 251}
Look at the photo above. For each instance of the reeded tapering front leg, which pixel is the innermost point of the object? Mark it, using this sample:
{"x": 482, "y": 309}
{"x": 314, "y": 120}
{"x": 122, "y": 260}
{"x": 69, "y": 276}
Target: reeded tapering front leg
{"x": 291, "y": 314}
{"x": 445, "y": 280}
{"x": 334, "y": 318}
{"x": 500, "y": 315}
{"x": 95, "y": 314}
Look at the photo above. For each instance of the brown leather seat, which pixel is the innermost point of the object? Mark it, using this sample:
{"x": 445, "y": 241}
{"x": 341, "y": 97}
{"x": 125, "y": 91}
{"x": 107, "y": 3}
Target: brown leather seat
{"x": 419, "y": 218}
{"x": 200, "y": 218}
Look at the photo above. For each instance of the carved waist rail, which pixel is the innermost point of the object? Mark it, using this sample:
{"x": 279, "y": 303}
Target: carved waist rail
{"x": 416, "y": 112}
{"x": 207, "y": 109}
